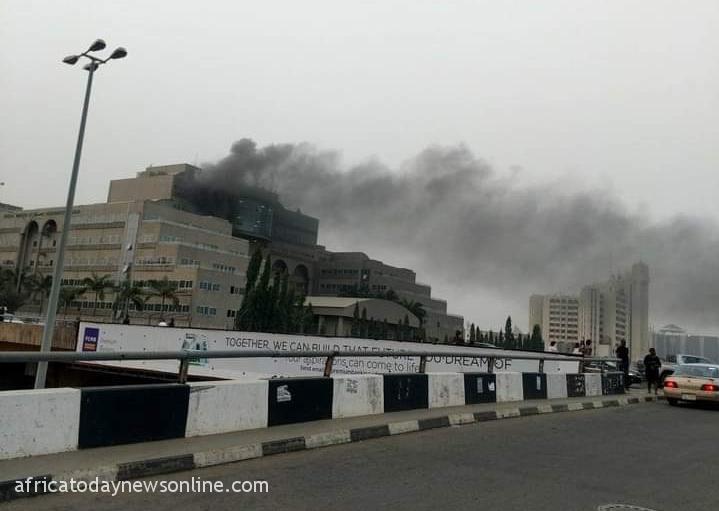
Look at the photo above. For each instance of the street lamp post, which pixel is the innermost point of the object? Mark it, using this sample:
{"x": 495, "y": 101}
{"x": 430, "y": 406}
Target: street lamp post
{"x": 49, "y": 329}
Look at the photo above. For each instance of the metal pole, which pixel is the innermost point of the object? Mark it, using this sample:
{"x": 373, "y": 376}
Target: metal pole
{"x": 49, "y": 329}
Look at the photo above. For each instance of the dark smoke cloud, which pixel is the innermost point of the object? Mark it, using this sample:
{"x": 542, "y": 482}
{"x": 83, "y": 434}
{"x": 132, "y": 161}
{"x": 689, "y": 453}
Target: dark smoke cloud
{"x": 481, "y": 238}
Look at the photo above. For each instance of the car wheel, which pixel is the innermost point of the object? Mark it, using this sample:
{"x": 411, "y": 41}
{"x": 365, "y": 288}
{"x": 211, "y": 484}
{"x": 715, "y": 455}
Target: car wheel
{"x": 672, "y": 401}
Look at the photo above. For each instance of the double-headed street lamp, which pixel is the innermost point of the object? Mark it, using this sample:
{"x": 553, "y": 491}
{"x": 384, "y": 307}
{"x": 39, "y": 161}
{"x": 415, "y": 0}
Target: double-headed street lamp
{"x": 49, "y": 329}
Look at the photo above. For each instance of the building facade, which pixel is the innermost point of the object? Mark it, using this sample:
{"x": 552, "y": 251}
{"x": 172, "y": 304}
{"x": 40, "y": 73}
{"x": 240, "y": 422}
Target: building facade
{"x": 139, "y": 241}
{"x": 347, "y": 273}
{"x": 557, "y": 316}
{"x": 605, "y": 312}
{"x": 165, "y": 222}
{"x": 673, "y": 340}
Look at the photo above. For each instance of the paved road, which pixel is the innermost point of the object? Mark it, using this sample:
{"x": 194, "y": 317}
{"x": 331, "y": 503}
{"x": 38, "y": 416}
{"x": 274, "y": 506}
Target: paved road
{"x": 648, "y": 455}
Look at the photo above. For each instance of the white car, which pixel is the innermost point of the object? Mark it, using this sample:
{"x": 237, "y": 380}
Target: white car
{"x": 11, "y": 318}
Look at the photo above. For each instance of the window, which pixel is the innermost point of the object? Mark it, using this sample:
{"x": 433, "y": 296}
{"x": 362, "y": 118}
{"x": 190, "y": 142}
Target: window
{"x": 206, "y": 311}
{"x": 231, "y": 313}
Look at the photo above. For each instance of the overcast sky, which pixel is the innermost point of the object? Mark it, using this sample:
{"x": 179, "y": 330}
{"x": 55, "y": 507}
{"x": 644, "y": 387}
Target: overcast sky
{"x": 621, "y": 96}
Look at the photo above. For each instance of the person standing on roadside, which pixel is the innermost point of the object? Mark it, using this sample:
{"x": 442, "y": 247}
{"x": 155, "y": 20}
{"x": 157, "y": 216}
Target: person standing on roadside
{"x": 553, "y": 346}
{"x": 652, "y": 364}
{"x": 588, "y": 348}
{"x": 622, "y": 353}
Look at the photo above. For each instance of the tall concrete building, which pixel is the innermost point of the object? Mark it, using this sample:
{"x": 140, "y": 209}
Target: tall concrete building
{"x": 342, "y": 273}
{"x": 557, "y": 316}
{"x": 164, "y": 223}
{"x": 134, "y": 237}
{"x": 605, "y": 312}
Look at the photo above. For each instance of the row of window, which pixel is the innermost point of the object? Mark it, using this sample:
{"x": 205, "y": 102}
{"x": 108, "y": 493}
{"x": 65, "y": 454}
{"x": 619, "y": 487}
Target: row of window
{"x": 206, "y": 311}
{"x": 209, "y": 286}
{"x": 99, "y": 219}
{"x": 339, "y": 271}
{"x": 158, "y": 260}
{"x": 169, "y": 238}
{"x": 147, "y": 307}
{"x": 91, "y": 261}
{"x": 106, "y": 239}
{"x": 224, "y": 268}
{"x": 338, "y": 287}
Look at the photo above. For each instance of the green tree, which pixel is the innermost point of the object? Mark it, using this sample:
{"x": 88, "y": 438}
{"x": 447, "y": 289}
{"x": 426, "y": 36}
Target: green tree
{"x": 165, "y": 290}
{"x": 472, "y": 334}
{"x": 125, "y": 294}
{"x": 67, "y": 296}
{"x": 537, "y": 342}
{"x": 415, "y": 308}
{"x": 97, "y": 285}
{"x": 508, "y": 334}
{"x": 40, "y": 286}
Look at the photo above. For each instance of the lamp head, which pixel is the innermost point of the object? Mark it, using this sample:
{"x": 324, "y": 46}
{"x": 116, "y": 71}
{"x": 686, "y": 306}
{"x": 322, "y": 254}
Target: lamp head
{"x": 98, "y": 45}
{"x": 71, "y": 59}
{"x": 119, "y": 53}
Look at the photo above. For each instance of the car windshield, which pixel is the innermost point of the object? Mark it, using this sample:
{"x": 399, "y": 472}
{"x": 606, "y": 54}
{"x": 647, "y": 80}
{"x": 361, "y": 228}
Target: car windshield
{"x": 688, "y": 359}
{"x": 698, "y": 371}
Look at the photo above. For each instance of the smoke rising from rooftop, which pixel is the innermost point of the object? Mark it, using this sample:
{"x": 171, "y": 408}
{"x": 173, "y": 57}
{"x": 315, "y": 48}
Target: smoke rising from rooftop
{"x": 480, "y": 237}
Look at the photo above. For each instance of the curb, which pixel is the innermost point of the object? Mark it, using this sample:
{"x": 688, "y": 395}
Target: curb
{"x": 202, "y": 459}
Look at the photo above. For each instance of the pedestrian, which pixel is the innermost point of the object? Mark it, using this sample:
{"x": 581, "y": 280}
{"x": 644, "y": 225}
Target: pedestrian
{"x": 652, "y": 364}
{"x": 553, "y": 346}
{"x": 588, "y": 348}
{"x": 577, "y": 349}
{"x": 622, "y": 353}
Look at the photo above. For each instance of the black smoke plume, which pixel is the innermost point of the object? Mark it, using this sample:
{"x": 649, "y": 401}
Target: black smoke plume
{"x": 483, "y": 241}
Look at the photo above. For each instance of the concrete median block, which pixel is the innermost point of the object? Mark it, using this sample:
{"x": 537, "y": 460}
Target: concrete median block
{"x": 327, "y": 439}
{"x": 509, "y": 387}
{"x": 228, "y": 455}
{"x": 399, "y": 428}
{"x": 445, "y": 389}
{"x": 359, "y": 394}
{"x": 34, "y": 422}
{"x": 226, "y": 406}
{"x": 556, "y": 386}
{"x": 593, "y": 384}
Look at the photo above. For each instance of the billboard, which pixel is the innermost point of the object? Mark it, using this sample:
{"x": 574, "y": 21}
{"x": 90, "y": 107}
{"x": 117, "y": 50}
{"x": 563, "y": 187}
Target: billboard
{"x": 102, "y": 337}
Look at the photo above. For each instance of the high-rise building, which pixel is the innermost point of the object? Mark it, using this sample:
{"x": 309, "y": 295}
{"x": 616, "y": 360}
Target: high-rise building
{"x": 605, "y": 312}
{"x": 557, "y": 316}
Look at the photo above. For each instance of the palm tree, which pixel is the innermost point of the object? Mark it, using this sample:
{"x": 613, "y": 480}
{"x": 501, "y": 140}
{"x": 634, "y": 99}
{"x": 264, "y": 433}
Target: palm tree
{"x": 128, "y": 292}
{"x": 166, "y": 290}
{"x": 415, "y": 308}
{"x": 67, "y": 296}
{"x": 15, "y": 277}
{"x": 98, "y": 285}
{"x": 40, "y": 285}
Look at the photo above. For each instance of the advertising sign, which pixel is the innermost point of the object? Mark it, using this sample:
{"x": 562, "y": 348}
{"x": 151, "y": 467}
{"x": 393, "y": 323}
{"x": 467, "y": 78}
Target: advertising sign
{"x": 115, "y": 337}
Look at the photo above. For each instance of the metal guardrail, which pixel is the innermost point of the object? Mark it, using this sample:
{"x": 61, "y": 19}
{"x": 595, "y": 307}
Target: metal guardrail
{"x": 184, "y": 356}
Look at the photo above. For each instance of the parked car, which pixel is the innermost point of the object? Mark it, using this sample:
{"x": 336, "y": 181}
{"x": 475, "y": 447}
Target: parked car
{"x": 606, "y": 366}
{"x": 692, "y": 382}
{"x": 10, "y": 318}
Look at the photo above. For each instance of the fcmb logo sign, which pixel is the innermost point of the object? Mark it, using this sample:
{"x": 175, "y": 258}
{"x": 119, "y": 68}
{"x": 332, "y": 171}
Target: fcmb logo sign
{"x": 89, "y": 339}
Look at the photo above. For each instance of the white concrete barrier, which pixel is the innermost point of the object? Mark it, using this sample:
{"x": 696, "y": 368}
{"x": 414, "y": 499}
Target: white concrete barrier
{"x": 445, "y": 389}
{"x": 357, "y": 394}
{"x": 36, "y": 422}
{"x": 224, "y": 406}
{"x": 509, "y": 387}
{"x": 593, "y": 384}
{"x": 556, "y": 386}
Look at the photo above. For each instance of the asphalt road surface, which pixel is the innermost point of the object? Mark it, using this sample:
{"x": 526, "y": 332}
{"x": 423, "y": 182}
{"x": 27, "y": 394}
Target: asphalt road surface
{"x": 649, "y": 455}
